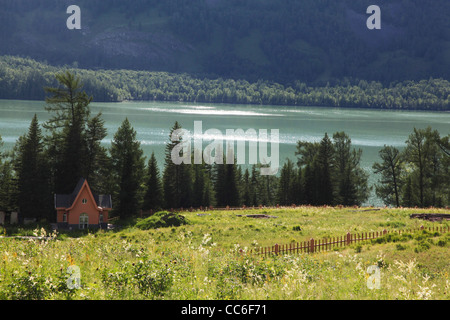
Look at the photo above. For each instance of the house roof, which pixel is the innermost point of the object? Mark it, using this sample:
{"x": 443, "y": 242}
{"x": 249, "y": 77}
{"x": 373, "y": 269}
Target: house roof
{"x": 66, "y": 200}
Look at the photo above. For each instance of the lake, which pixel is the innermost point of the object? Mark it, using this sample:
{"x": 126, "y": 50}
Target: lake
{"x": 369, "y": 129}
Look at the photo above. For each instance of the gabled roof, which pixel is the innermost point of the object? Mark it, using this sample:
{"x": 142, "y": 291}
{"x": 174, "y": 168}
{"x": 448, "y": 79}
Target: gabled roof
{"x": 67, "y": 200}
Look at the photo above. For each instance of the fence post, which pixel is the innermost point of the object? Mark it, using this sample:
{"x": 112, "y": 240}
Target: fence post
{"x": 311, "y": 245}
{"x": 349, "y": 238}
{"x": 276, "y": 249}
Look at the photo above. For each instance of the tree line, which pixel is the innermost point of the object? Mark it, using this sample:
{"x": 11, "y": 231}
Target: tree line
{"x": 22, "y": 78}
{"x": 326, "y": 173}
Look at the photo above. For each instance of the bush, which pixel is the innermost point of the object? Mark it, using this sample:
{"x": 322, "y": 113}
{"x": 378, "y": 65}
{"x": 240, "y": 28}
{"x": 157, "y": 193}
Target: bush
{"x": 161, "y": 219}
{"x": 28, "y": 286}
{"x": 152, "y": 277}
{"x": 423, "y": 245}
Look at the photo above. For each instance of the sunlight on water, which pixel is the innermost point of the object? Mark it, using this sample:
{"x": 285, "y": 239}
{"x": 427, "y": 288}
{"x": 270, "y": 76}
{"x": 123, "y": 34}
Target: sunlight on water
{"x": 368, "y": 129}
{"x": 212, "y": 112}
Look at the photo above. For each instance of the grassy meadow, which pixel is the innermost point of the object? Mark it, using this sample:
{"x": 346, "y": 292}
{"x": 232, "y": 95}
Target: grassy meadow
{"x": 208, "y": 258}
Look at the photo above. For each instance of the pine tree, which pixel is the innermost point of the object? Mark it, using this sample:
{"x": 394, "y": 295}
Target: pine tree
{"x": 350, "y": 179}
{"x": 324, "y": 169}
{"x": 246, "y": 189}
{"x": 97, "y": 166}
{"x": 153, "y": 198}
{"x": 226, "y": 178}
{"x": 177, "y": 178}
{"x": 128, "y": 165}
{"x": 287, "y": 182}
{"x": 8, "y": 186}
{"x": 70, "y": 108}
{"x": 198, "y": 186}
{"x": 33, "y": 184}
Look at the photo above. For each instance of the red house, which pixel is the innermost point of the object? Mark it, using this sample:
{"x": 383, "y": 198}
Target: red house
{"x": 82, "y": 209}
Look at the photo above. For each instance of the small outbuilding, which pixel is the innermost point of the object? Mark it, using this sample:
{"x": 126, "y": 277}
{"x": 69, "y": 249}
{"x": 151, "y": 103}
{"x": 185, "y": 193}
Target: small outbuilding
{"x": 82, "y": 209}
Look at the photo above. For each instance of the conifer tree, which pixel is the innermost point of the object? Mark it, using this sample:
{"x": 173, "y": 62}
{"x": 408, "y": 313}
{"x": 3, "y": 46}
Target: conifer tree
{"x": 33, "y": 184}
{"x": 128, "y": 164}
{"x": 324, "y": 171}
{"x": 153, "y": 198}
{"x": 350, "y": 179}
{"x": 70, "y": 112}
{"x": 8, "y": 187}
{"x": 286, "y": 189}
{"x": 246, "y": 189}
{"x": 97, "y": 166}
{"x": 177, "y": 178}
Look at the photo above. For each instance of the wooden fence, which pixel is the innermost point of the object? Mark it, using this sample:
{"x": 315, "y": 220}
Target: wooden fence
{"x": 320, "y": 245}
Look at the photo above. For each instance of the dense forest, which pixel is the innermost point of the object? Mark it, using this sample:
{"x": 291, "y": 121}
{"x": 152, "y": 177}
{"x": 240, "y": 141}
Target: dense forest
{"x": 326, "y": 173}
{"x": 22, "y": 78}
{"x": 275, "y": 40}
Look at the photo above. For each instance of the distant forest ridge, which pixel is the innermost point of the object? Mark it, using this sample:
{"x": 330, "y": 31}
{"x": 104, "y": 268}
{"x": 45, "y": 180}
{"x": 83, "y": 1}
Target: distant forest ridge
{"x": 24, "y": 78}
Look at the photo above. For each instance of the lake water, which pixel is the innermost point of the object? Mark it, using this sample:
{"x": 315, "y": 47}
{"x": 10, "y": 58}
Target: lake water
{"x": 369, "y": 129}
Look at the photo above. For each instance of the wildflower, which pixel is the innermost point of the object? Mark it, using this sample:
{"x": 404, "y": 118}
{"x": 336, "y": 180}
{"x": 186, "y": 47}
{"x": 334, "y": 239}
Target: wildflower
{"x": 425, "y": 292}
{"x": 70, "y": 259}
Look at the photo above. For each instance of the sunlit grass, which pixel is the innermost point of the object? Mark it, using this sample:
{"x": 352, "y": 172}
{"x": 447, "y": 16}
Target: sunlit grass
{"x": 208, "y": 259}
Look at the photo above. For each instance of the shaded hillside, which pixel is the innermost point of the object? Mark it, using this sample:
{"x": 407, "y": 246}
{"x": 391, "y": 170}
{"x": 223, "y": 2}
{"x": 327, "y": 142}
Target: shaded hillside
{"x": 25, "y": 79}
{"x": 280, "y": 40}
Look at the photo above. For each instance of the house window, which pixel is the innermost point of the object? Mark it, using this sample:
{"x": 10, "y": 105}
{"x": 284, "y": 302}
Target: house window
{"x": 84, "y": 221}
{"x": 65, "y": 217}
{"x": 84, "y": 201}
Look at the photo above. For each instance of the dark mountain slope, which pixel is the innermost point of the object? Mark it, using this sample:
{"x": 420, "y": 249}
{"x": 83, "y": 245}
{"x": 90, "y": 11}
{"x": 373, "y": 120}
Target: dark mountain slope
{"x": 281, "y": 40}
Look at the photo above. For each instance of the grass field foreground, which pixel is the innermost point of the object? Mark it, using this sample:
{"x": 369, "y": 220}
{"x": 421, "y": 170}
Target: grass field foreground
{"x": 208, "y": 258}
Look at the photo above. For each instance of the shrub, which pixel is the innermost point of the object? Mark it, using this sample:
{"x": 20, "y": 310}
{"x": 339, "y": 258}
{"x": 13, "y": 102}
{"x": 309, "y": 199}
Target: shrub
{"x": 152, "y": 277}
{"x": 442, "y": 243}
{"x": 28, "y": 286}
{"x": 423, "y": 245}
{"x": 161, "y": 219}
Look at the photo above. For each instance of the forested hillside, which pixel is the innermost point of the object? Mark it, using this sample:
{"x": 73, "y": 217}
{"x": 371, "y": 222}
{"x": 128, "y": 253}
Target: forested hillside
{"x": 275, "y": 40}
{"x": 25, "y": 79}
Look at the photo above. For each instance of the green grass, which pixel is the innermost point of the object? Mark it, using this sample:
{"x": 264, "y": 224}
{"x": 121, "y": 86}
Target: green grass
{"x": 207, "y": 258}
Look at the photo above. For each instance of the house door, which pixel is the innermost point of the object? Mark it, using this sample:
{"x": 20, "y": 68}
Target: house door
{"x": 84, "y": 221}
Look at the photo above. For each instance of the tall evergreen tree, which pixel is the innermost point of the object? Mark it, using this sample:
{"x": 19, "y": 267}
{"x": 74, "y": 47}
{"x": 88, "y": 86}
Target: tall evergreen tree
{"x": 350, "y": 179}
{"x": 308, "y": 167}
{"x": 324, "y": 167}
{"x": 287, "y": 184}
{"x": 70, "y": 111}
{"x": 177, "y": 178}
{"x": 97, "y": 166}
{"x": 33, "y": 183}
{"x": 198, "y": 186}
{"x": 254, "y": 196}
{"x": 246, "y": 188}
{"x": 8, "y": 185}
{"x": 153, "y": 198}
{"x": 128, "y": 165}
{"x": 226, "y": 185}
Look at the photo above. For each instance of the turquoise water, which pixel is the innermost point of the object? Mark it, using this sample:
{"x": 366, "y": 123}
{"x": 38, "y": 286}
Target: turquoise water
{"x": 368, "y": 129}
